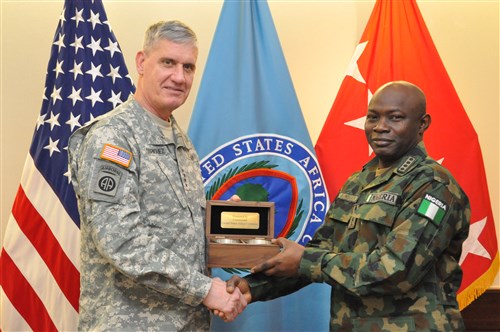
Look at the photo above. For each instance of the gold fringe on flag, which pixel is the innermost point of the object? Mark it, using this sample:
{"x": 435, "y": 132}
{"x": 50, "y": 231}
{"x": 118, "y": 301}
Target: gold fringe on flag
{"x": 478, "y": 286}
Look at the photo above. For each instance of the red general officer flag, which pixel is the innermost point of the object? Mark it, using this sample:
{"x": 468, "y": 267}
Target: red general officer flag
{"x": 396, "y": 45}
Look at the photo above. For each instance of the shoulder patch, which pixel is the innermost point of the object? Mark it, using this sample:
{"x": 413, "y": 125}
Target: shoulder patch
{"x": 117, "y": 155}
{"x": 108, "y": 181}
{"x": 432, "y": 208}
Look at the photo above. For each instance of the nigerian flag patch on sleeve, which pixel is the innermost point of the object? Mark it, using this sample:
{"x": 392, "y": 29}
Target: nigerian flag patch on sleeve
{"x": 432, "y": 208}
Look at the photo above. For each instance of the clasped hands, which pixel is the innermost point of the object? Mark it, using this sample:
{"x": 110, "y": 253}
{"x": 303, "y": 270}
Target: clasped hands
{"x": 284, "y": 264}
{"x": 225, "y": 304}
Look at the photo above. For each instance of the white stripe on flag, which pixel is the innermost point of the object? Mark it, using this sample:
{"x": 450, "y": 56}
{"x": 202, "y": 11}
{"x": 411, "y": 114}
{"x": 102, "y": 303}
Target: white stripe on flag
{"x": 10, "y": 318}
{"x": 36, "y": 272}
{"x": 47, "y": 204}
{"x": 432, "y": 210}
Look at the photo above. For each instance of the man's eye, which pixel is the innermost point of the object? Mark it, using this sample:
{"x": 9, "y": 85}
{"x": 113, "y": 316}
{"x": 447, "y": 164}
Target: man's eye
{"x": 371, "y": 118}
{"x": 167, "y": 62}
{"x": 396, "y": 117}
{"x": 189, "y": 68}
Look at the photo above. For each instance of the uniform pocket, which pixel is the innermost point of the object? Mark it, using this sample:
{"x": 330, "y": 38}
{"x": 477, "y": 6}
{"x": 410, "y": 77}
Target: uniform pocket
{"x": 372, "y": 223}
{"x": 171, "y": 173}
{"x": 380, "y": 213}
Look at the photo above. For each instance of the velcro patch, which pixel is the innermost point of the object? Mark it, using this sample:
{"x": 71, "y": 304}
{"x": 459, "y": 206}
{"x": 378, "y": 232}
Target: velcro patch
{"x": 385, "y": 196}
{"x": 117, "y": 155}
{"x": 108, "y": 181}
{"x": 348, "y": 197}
{"x": 432, "y": 208}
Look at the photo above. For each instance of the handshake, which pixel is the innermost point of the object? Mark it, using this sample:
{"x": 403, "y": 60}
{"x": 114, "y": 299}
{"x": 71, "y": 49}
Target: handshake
{"x": 228, "y": 300}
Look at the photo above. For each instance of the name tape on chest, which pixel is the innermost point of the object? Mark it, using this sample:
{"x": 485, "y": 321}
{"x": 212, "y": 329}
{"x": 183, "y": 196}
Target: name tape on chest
{"x": 162, "y": 150}
{"x": 385, "y": 196}
{"x": 348, "y": 197}
{"x": 432, "y": 208}
{"x": 117, "y": 155}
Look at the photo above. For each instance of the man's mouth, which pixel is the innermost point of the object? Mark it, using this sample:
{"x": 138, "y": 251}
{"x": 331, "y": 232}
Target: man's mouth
{"x": 174, "y": 89}
{"x": 381, "y": 142}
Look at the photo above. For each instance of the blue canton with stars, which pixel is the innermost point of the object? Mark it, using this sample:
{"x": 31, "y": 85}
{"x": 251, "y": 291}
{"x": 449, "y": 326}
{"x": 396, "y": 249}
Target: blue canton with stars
{"x": 86, "y": 77}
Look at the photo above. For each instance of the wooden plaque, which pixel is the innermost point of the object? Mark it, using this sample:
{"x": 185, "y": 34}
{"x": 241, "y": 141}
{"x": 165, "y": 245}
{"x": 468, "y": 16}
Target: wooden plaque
{"x": 239, "y": 233}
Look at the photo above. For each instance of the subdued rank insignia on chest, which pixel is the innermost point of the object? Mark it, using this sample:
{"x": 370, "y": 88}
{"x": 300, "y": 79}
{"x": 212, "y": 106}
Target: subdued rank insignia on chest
{"x": 406, "y": 165}
{"x": 117, "y": 155}
{"x": 432, "y": 208}
{"x": 385, "y": 196}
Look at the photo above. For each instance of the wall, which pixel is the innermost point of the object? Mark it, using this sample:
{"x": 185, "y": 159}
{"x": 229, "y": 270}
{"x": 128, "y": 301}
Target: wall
{"x": 318, "y": 40}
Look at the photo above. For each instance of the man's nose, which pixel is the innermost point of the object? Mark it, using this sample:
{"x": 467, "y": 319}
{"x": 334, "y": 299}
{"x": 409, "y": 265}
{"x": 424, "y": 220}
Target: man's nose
{"x": 381, "y": 125}
{"x": 178, "y": 74}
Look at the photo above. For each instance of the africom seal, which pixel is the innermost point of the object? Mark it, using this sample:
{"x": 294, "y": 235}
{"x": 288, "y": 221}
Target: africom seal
{"x": 270, "y": 168}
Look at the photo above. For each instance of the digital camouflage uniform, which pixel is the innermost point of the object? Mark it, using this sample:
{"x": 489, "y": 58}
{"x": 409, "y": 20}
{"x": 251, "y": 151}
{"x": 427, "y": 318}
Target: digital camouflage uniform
{"x": 389, "y": 247}
{"x": 142, "y": 225}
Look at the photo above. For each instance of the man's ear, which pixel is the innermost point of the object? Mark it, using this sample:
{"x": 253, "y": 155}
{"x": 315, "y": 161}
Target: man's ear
{"x": 139, "y": 62}
{"x": 425, "y": 122}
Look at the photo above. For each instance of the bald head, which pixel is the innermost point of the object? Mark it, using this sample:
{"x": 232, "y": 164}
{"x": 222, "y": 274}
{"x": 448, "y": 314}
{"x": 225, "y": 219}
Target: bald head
{"x": 414, "y": 96}
{"x": 396, "y": 120}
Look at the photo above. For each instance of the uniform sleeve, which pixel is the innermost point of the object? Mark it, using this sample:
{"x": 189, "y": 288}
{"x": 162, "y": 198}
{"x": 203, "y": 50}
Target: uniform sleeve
{"x": 109, "y": 196}
{"x": 411, "y": 249}
{"x": 264, "y": 288}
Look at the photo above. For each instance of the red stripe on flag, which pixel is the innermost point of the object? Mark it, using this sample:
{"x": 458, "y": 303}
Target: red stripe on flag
{"x": 36, "y": 230}
{"x": 23, "y": 297}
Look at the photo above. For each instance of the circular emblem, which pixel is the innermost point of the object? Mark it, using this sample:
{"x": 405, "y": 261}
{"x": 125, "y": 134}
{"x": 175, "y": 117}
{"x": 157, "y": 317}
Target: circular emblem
{"x": 107, "y": 183}
{"x": 270, "y": 168}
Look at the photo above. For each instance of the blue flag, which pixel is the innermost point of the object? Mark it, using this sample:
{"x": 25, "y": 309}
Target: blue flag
{"x": 252, "y": 140}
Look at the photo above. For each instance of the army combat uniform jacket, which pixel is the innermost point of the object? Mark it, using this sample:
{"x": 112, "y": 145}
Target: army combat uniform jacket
{"x": 141, "y": 203}
{"x": 389, "y": 247}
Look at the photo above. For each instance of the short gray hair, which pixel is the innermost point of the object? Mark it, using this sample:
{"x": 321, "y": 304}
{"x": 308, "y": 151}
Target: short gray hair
{"x": 174, "y": 31}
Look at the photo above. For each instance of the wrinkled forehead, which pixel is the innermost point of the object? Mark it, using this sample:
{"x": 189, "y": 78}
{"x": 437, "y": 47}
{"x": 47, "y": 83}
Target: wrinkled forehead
{"x": 180, "y": 52}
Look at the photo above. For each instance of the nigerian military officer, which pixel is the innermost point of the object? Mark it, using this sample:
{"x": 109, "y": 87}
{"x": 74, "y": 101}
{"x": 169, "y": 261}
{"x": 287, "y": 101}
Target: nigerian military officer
{"x": 141, "y": 203}
{"x": 392, "y": 238}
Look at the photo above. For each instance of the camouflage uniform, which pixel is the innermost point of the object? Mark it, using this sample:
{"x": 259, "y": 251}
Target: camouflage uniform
{"x": 142, "y": 225}
{"x": 391, "y": 260}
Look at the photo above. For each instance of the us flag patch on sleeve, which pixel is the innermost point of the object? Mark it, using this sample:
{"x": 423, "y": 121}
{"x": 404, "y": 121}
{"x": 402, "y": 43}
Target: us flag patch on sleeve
{"x": 116, "y": 155}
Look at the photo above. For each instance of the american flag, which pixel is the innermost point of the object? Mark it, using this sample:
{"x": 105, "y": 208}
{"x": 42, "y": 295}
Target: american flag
{"x": 116, "y": 154}
{"x": 39, "y": 263}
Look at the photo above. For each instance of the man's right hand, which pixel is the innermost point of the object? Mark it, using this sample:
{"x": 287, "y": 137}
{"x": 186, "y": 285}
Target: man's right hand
{"x": 226, "y": 305}
{"x": 240, "y": 283}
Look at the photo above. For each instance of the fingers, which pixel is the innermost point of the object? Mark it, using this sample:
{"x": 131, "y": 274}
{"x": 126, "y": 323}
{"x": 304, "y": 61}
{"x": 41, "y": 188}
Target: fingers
{"x": 239, "y": 299}
{"x": 239, "y": 296}
{"x": 236, "y": 282}
{"x": 282, "y": 242}
{"x": 232, "y": 283}
{"x": 217, "y": 297}
{"x": 284, "y": 264}
{"x": 234, "y": 306}
{"x": 267, "y": 265}
{"x": 271, "y": 262}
